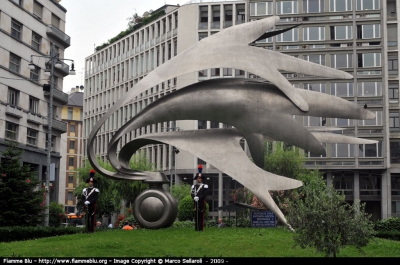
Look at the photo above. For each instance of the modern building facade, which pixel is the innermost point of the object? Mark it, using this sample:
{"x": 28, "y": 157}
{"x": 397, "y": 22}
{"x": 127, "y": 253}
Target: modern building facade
{"x": 71, "y": 148}
{"x": 28, "y": 28}
{"x": 359, "y": 37}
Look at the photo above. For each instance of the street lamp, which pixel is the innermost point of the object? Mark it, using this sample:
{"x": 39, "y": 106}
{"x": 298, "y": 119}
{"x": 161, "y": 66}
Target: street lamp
{"x": 55, "y": 61}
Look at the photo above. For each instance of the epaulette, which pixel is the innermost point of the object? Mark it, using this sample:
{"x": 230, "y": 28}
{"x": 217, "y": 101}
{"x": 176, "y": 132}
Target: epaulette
{"x": 206, "y": 186}
{"x": 96, "y": 190}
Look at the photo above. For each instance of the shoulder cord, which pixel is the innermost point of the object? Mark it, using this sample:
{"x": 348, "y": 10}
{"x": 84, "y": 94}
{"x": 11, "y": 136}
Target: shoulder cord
{"x": 89, "y": 193}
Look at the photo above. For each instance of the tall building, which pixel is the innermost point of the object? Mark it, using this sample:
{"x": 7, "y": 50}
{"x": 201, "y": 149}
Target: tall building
{"x": 359, "y": 37}
{"x": 71, "y": 148}
{"x": 28, "y": 28}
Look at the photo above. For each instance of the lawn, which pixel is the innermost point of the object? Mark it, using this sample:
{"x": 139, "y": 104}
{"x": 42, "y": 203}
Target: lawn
{"x": 183, "y": 242}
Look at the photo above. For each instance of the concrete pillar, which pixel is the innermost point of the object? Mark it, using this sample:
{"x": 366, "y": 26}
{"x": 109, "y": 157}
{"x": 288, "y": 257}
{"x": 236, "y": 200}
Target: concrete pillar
{"x": 386, "y": 199}
{"x": 220, "y": 192}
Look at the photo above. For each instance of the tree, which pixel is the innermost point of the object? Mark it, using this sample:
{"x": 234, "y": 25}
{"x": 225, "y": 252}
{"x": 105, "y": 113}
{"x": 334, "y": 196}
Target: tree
{"x": 180, "y": 191}
{"x": 21, "y": 199}
{"x": 134, "y": 20}
{"x": 323, "y": 220}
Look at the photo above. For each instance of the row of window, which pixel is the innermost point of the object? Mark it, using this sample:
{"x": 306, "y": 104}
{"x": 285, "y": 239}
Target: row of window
{"x": 349, "y": 151}
{"x": 344, "y": 32}
{"x": 310, "y": 6}
{"x": 13, "y": 100}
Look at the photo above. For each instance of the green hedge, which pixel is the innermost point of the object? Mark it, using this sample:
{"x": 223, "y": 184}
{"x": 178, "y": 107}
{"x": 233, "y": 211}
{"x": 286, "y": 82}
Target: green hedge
{"x": 390, "y": 224}
{"x": 19, "y": 233}
{"x": 388, "y": 228}
{"x": 392, "y": 235}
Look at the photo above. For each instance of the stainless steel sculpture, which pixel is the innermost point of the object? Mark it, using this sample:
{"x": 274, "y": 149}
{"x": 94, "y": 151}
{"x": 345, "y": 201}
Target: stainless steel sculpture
{"x": 258, "y": 111}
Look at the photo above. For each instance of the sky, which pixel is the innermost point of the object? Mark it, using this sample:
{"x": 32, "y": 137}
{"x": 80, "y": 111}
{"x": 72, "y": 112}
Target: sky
{"x": 91, "y": 23}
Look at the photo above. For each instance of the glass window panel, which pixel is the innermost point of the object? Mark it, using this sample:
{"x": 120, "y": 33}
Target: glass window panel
{"x": 261, "y": 9}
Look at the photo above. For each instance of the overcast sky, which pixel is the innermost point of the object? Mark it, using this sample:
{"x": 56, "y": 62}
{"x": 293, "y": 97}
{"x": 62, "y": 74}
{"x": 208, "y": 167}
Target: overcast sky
{"x": 91, "y": 23}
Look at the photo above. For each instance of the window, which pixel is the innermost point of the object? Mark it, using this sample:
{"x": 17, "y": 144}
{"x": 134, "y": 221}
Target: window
{"x": 13, "y": 97}
{"x": 287, "y": 7}
{"x": 395, "y": 152}
{"x": 291, "y": 35}
{"x": 316, "y": 87}
{"x": 16, "y": 29}
{"x": 342, "y": 89}
{"x": 11, "y": 131}
{"x": 341, "y": 60}
{"x": 342, "y": 150}
{"x": 72, "y": 145}
{"x": 315, "y": 58}
{"x": 395, "y": 184}
{"x": 370, "y": 185}
{"x": 55, "y": 21}
{"x": 72, "y": 128}
{"x": 342, "y": 122}
{"x": 31, "y": 137}
{"x": 37, "y": 9}
{"x": 71, "y": 179}
{"x": 33, "y": 105}
{"x": 214, "y": 124}
{"x": 393, "y": 67}
{"x": 374, "y": 122}
{"x": 18, "y": 2}
{"x": 393, "y": 93}
{"x": 369, "y": 89}
{"x": 15, "y": 62}
{"x": 70, "y": 196}
{"x": 341, "y": 32}
{"x": 239, "y": 73}
{"x": 344, "y": 184}
{"x": 314, "y": 33}
{"x": 202, "y": 125}
{"x": 203, "y": 35}
{"x": 34, "y": 74}
{"x": 227, "y": 71}
{"x": 71, "y": 161}
{"x": 53, "y": 140}
{"x": 202, "y": 73}
{"x": 314, "y": 121}
{"x": 367, "y": 4}
{"x": 215, "y": 72}
{"x": 340, "y": 5}
{"x": 368, "y": 31}
{"x": 369, "y": 59}
{"x": 70, "y": 113}
{"x": 36, "y": 41}
{"x": 260, "y": 8}
{"x": 394, "y": 121}
{"x": 370, "y": 150}
{"x": 313, "y": 6}
{"x": 204, "y": 14}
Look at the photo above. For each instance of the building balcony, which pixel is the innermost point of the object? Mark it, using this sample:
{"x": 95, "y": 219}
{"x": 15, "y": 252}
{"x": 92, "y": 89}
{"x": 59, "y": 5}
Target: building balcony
{"x": 35, "y": 119}
{"x": 59, "y": 35}
{"x": 56, "y": 125}
{"x": 58, "y": 95}
{"x": 14, "y": 111}
{"x": 63, "y": 70}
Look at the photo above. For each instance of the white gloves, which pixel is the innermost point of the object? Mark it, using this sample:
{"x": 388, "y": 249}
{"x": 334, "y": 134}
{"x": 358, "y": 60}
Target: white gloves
{"x": 87, "y": 202}
{"x": 196, "y": 199}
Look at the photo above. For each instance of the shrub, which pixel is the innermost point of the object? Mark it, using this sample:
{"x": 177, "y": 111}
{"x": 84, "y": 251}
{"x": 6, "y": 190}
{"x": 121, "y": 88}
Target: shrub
{"x": 390, "y": 224}
{"x": 183, "y": 224}
{"x": 56, "y": 214}
{"x": 186, "y": 209}
{"x": 19, "y": 233}
{"x": 392, "y": 235}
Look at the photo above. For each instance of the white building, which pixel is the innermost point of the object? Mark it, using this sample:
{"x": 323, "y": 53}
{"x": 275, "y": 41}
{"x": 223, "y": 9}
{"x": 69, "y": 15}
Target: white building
{"x": 359, "y": 37}
{"x": 28, "y": 27}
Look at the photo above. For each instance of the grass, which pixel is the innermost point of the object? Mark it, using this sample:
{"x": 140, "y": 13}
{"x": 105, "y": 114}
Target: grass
{"x": 183, "y": 242}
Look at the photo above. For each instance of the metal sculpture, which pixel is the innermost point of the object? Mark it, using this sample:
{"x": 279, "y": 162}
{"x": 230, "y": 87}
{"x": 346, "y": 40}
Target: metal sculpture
{"x": 258, "y": 110}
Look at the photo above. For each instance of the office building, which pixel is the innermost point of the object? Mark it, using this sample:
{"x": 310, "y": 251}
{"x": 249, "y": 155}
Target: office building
{"x": 27, "y": 30}
{"x": 359, "y": 37}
